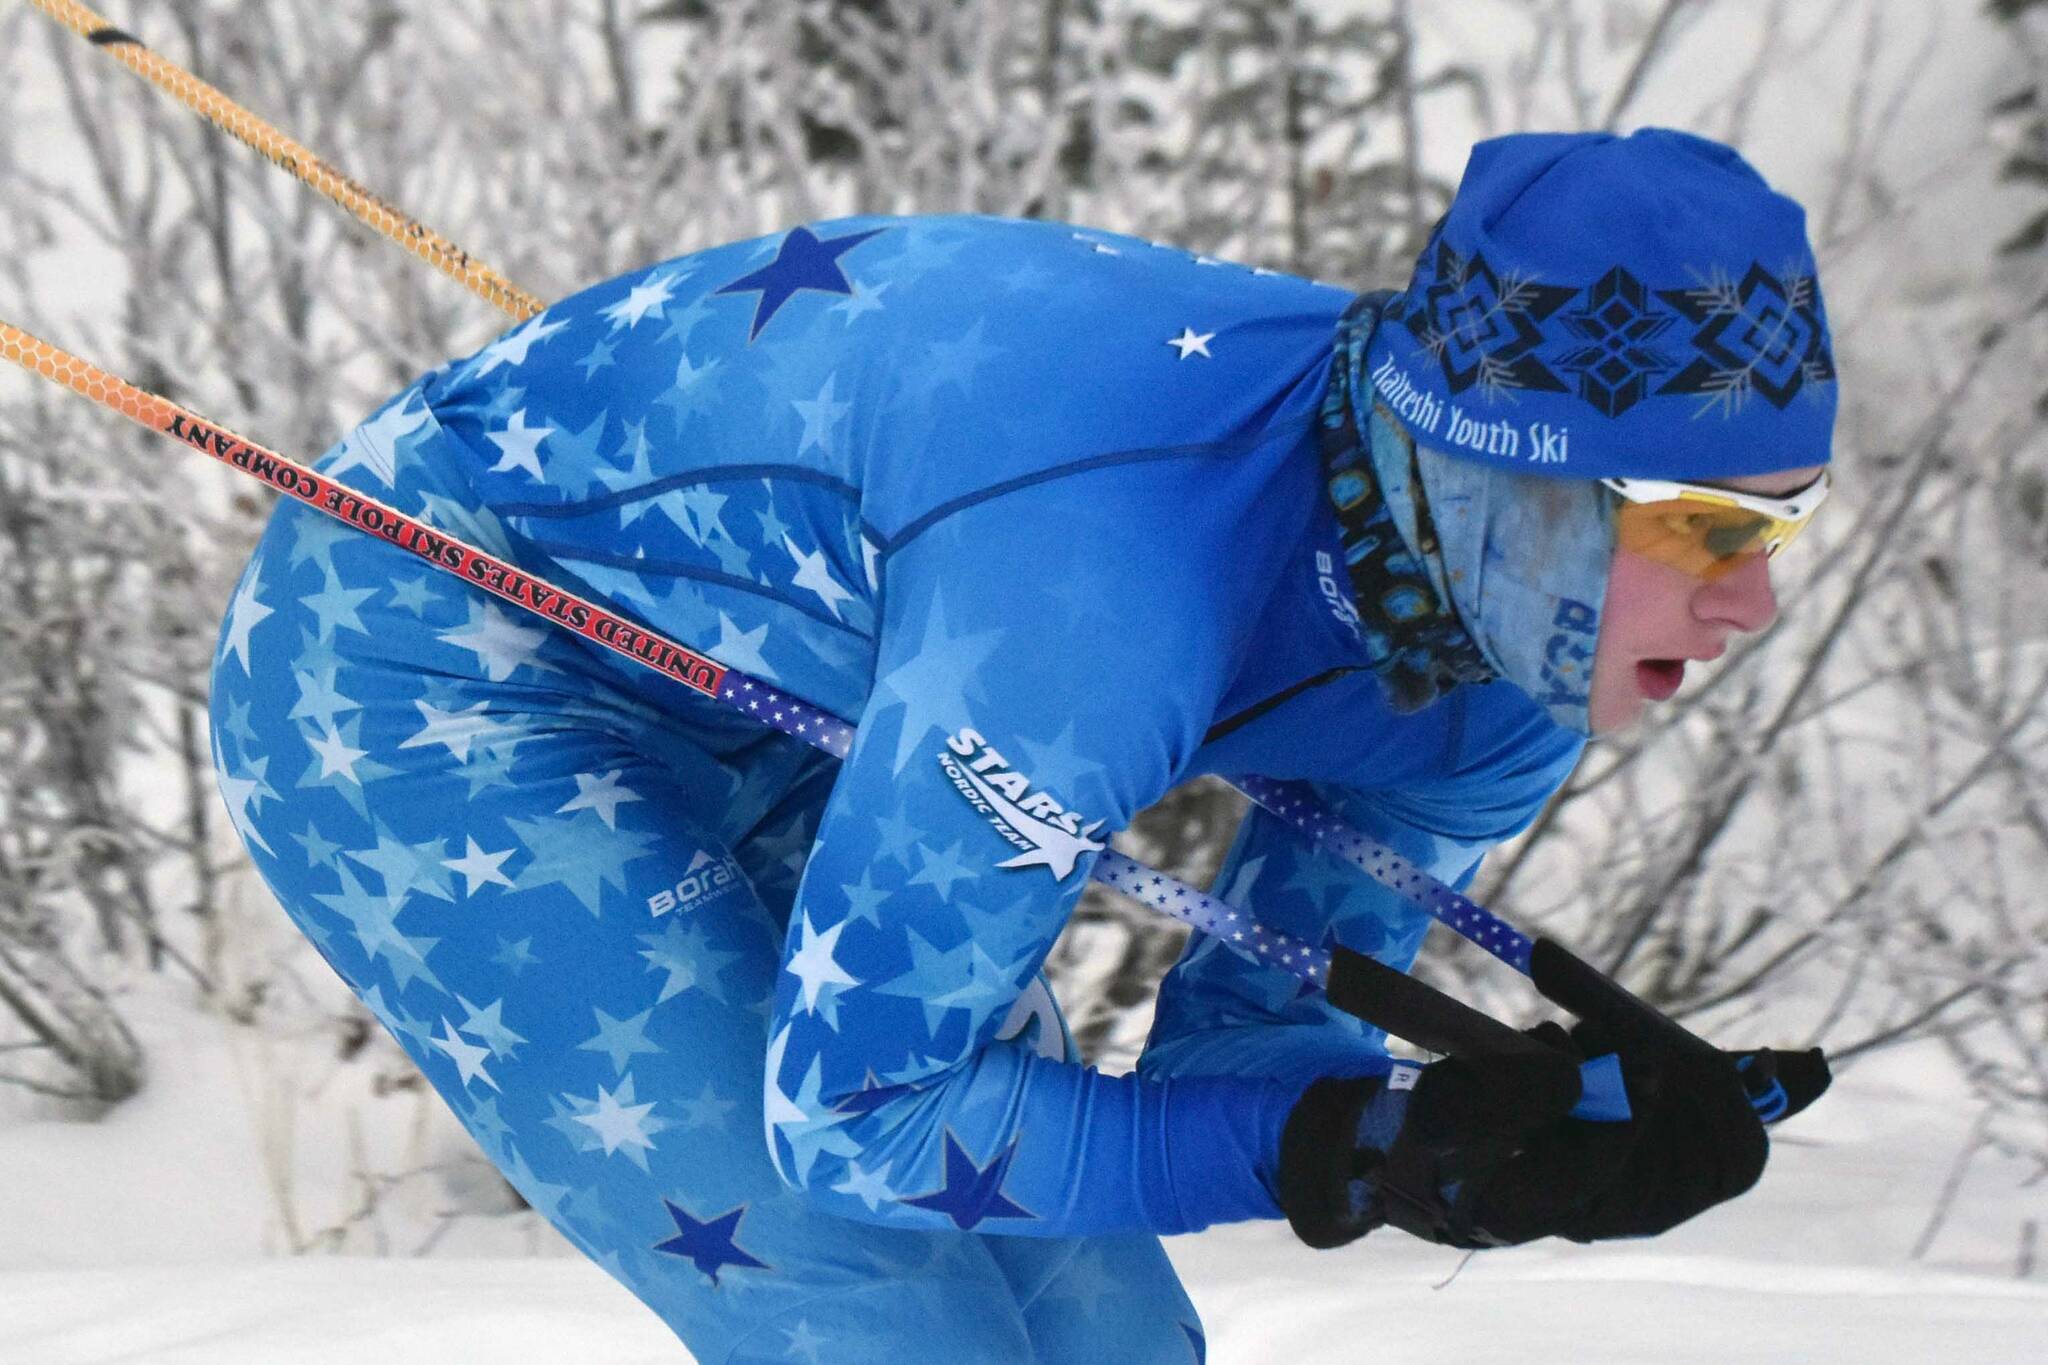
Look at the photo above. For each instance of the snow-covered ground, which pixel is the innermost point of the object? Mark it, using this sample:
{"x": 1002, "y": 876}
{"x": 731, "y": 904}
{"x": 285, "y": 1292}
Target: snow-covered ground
{"x": 142, "y": 1238}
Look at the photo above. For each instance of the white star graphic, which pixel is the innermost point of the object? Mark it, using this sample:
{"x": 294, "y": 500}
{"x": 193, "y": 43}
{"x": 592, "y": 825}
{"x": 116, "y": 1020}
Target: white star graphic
{"x": 817, "y": 971}
{"x": 643, "y": 299}
{"x": 456, "y": 729}
{"x": 741, "y": 649}
{"x": 1190, "y": 342}
{"x": 820, "y": 415}
{"x": 777, "y": 1108}
{"x": 511, "y": 348}
{"x": 374, "y": 444}
{"x": 519, "y": 446}
{"x": 499, "y": 642}
{"x": 480, "y": 867}
{"x": 618, "y": 1124}
{"x": 245, "y": 613}
{"x": 238, "y": 792}
{"x": 814, "y": 576}
{"x": 337, "y": 756}
{"x": 468, "y": 1057}
{"x": 870, "y": 1187}
{"x": 601, "y": 794}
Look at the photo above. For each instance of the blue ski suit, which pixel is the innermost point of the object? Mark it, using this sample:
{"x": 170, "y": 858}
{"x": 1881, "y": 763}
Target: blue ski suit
{"x": 762, "y": 1033}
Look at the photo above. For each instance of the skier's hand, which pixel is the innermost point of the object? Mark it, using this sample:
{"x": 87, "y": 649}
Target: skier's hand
{"x": 1695, "y": 1139}
{"x": 1483, "y": 1151}
{"x": 1412, "y": 1147}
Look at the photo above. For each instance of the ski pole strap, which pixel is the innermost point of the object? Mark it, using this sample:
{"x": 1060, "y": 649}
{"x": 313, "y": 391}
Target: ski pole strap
{"x": 1298, "y": 805}
{"x": 232, "y": 119}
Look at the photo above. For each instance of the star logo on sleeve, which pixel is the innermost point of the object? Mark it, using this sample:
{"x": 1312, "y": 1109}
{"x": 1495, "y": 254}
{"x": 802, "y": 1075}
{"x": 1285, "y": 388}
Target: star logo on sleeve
{"x": 619, "y": 1122}
{"x": 1192, "y": 343}
{"x": 601, "y": 793}
{"x": 819, "y": 976}
{"x": 649, "y": 296}
{"x": 245, "y": 613}
{"x": 519, "y": 445}
{"x": 972, "y": 1194}
{"x": 814, "y": 575}
{"x": 374, "y": 444}
{"x": 711, "y": 1245}
{"x": 511, "y": 348}
{"x": 805, "y": 261}
{"x": 468, "y": 1057}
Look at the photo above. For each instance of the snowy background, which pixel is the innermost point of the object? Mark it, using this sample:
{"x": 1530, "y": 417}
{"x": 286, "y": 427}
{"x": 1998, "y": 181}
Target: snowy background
{"x": 209, "y": 1152}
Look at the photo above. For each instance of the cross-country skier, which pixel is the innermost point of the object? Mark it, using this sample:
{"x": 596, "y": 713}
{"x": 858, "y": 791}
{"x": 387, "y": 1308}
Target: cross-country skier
{"x": 1062, "y": 518}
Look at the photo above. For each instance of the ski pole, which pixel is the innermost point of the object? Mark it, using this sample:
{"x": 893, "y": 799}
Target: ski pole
{"x": 1560, "y": 975}
{"x": 231, "y": 118}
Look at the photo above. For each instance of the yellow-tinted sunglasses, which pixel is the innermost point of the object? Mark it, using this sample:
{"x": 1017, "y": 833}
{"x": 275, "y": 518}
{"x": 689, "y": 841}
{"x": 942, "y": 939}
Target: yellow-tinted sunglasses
{"x": 1707, "y": 531}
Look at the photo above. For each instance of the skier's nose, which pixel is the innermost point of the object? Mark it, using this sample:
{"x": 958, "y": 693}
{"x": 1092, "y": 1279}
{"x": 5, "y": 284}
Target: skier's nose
{"x": 1743, "y": 598}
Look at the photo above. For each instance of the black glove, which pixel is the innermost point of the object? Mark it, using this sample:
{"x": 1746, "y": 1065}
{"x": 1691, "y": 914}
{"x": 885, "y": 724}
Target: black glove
{"x": 1695, "y": 1139}
{"x": 1416, "y": 1147}
{"x": 1481, "y": 1151}
{"x": 1781, "y": 1084}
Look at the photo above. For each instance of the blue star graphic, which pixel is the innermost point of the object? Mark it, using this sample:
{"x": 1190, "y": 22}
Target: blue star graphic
{"x": 710, "y": 1245}
{"x": 804, "y": 262}
{"x": 600, "y": 356}
{"x": 620, "y": 1039}
{"x": 956, "y": 978}
{"x": 933, "y": 685}
{"x": 941, "y": 870}
{"x": 412, "y": 595}
{"x": 686, "y": 954}
{"x": 318, "y": 850}
{"x": 972, "y": 1194}
{"x": 336, "y": 606}
{"x": 575, "y": 462}
{"x": 514, "y": 957}
{"x": 237, "y": 723}
{"x": 863, "y": 898}
{"x": 1315, "y": 875}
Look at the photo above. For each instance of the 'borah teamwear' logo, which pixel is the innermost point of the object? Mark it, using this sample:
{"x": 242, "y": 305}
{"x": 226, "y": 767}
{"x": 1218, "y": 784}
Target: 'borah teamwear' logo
{"x": 704, "y": 880}
{"x": 1051, "y": 836}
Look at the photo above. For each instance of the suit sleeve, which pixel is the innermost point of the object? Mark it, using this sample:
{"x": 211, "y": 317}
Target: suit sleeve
{"x": 1049, "y": 660}
{"x": 1488, "y": 760}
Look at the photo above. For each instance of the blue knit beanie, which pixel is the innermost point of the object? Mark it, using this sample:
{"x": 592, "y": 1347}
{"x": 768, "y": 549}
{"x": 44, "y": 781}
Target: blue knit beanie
{"x": 1599, "y": 306}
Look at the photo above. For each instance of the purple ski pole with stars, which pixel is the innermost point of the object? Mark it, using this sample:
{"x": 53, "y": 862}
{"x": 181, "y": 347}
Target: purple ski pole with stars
{"x": 1294, "y": 803}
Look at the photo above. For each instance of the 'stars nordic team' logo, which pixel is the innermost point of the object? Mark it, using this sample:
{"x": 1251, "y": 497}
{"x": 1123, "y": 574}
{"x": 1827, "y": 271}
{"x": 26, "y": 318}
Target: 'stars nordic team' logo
{"x": 1050, "y": 835}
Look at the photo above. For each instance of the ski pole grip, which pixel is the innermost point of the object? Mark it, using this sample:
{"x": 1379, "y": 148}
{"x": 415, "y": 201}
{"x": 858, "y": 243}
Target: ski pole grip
{"x": 1570, "y": 982}
{"x": 1369, "y": 989}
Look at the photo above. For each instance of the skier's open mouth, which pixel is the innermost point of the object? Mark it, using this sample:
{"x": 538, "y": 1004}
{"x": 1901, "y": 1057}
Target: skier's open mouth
{"x": 1660, "y": 679}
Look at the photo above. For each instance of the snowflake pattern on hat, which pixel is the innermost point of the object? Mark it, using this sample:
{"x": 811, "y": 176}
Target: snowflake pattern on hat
{"x": 1756, "y": 335}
